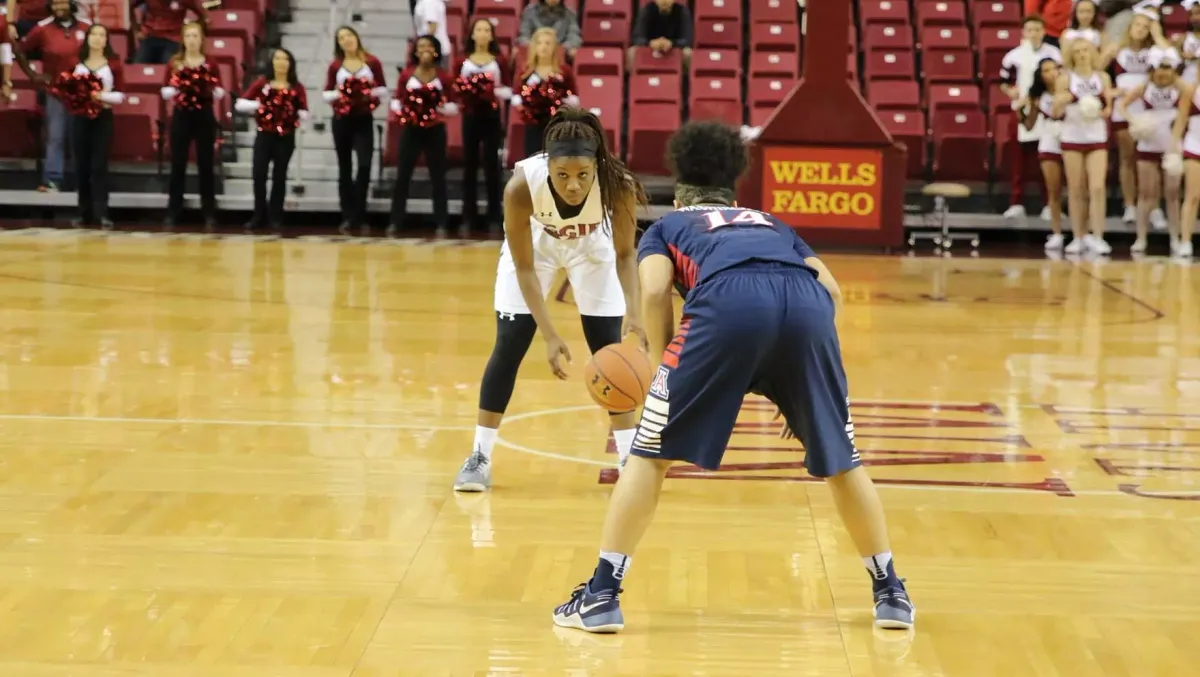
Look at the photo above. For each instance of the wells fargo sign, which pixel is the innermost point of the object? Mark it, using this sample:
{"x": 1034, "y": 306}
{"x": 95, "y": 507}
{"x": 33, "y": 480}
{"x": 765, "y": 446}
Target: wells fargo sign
{"x": 823, "y": 187}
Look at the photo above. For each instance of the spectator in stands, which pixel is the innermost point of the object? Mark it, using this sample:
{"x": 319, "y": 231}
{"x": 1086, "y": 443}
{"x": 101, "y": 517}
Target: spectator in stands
{"x": 160, "y": 23}
{"x": 1016, "y": 62}
{"x": 192, "y": 86}
{"x": 551, "y": 14}
{"x": 6, "y": 58}
{"x": 279, "y": 104}
{"x": 1056, "y": 14}
{"x": 23, "y": 15}
{"x": 423, "y": 129}
{"x": 353, "y": 122}
{"x": 429, "y": 18}
{"x": 1083, "y": 24}
{"x": 59, "y": 42}
{"x": 542, "y": 63}
{"x": 663, "y": 25}
{"x": 93, "y": 135}
{"x": 481, "y": 123}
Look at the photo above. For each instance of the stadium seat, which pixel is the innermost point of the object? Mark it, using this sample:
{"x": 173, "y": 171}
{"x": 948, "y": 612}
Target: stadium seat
{"x": 993, "y": 43}
{"x": 717, "y": 9}
{"x": 646, "y": 60}
{"x": 717, "y": 88}
{"x": 889, "y": 65}
{"x": 713, "y": 63}
{"x": 948, "y": 65}
{"x": 767, "y": 91}
{"x": 1174, "y": 19}
{"x": 774, "y": 37}
{"x": 21, "y": 119}
{"x": 146, "y": 78}
{"x": 655, "y": 88}
{"x": 998, "y": 14}
{"x": 457, "y": 12}
{"x": 939, "y": 97}
{"x": 779, "y": 64}
{"x": 229, "y": 24}
{"x": 908, "y": 128}
{"x": 728, "y": 112}
{"x": 607, "y": 31}
{"x": 1000, "y": 122}
{"x": 22, "y": 81}
{"x": 231, "y": 51}
{"x": 604, "y": 95}
{"x": 504, "y": 26}
{"x": 997, "y": 99}
{"x": 889, "y": 37}
{"x": 600, "y": 61}
{"x": 960, "y": 145}
{"x": 885, "y": 95}
{"x": 774, "y": 11}
{"x": 759, "y": 116}
{"x": 135, "y": 123}
{"x": 621, "y": 9}
{"x": 883, "y": 12}
{"x": 119, "y": 43}
{"x": 940, "y": 13}
{"x": 716, "y": 99}
{"x": 650, "y": 127}
{"x": 718, "y": 34}
{"x": 945, "y": 37}
{"x": 488, "y": 8}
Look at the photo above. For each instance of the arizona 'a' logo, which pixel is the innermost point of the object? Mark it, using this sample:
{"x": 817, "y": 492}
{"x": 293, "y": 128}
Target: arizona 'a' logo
{"x": 658, "y": 387}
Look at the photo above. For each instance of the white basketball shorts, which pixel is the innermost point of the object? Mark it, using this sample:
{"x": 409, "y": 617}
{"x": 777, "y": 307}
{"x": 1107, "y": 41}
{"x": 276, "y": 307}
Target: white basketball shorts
{"x": 591, "y": 265}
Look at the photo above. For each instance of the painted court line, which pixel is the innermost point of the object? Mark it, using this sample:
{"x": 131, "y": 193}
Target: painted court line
{"x": 231, "y": 422}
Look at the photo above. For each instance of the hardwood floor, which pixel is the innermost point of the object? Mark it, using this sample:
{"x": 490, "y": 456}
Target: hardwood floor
{"x": 233, "y": 457}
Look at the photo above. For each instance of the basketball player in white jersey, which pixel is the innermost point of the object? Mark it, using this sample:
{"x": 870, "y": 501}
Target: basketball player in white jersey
{"x": 1083, "y": 98}
{"x": 1159, "y": 98}
{"x": 572, "y": 206}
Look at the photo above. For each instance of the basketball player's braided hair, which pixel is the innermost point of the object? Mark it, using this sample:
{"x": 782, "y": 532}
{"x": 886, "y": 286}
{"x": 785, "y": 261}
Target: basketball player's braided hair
{"x": 614, "y": 179}
{"x": 707, "y": 159}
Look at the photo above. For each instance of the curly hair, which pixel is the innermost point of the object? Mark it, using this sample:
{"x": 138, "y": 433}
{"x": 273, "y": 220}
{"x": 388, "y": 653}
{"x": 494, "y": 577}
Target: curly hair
{"x": 707, "y": 159}
{"x": 614, "y": 179}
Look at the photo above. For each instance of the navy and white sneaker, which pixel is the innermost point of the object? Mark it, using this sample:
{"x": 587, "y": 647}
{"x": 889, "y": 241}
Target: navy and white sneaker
{"x": 591, "y": 611}
{"x": 893, "y": 608}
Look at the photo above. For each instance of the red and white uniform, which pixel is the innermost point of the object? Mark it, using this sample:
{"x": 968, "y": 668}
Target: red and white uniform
{"x": 112, "y": 75}
{"x": 442, "y": 81}
{"x": 1132, "y": 68}
{"x": 497, "y": 70}
{"x": 371, "y": 71}
{"x": 260, "y": 93}
{"x": 1079, "y": 134}
{"x": 58, "y": 42}
{"x": 533, "y": 79}
{"x": 1162, "y": 104}
{"x": 1049, "y": 145}
{"x": 164, "y": 18}
{"x": 1191, "y": 64}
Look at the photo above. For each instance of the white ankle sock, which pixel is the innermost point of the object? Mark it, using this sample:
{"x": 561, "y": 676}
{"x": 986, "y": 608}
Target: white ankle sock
{"x": 624, "y": 440}
{"x": 485, "y": 440}
{"x": 877, "y": 564}
{"x": 620, "y": 563}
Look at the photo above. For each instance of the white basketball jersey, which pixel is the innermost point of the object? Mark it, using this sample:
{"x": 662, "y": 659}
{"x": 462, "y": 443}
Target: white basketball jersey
{"x": 545, "y": 211}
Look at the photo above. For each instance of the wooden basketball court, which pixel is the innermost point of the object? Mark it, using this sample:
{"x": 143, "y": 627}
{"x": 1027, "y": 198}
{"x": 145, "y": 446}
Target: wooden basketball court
{"x": 229, "y": 457}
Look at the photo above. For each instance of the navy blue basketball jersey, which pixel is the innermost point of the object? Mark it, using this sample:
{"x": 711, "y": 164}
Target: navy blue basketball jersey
{"x": 704, "y": 240}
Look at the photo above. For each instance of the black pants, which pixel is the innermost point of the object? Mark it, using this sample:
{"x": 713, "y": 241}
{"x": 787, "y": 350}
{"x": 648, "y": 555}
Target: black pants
{"x": 271, "y": 149}
{"x": 93, "y": 139}
{"x": 188, "y": 127}
{"x": 481, "y": 130}
{"x": 533, "y": 139}
{"x": 155, "y": 50}
{"x": 414, "y": 142}
{"x": 354, "y": 137}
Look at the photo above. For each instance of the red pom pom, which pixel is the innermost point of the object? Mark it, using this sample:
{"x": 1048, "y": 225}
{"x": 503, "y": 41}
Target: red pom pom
{"x": 420, "y": 108}
{"x": 280, "y": 113}
{"x": 477, "y": 92}
{"x": 195, "y": 86}
{"x": 540, "y": 102}
{"x": 77, "y": 93}
{"x": 355, "y": 97}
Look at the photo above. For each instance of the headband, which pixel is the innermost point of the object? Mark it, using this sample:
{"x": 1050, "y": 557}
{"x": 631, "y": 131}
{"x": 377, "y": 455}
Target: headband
{"x": 1148, "y": 9}
{"x": 1160, "y": 58}
{"x": 1189, "y": 4}
{"x": 571, "y": 148}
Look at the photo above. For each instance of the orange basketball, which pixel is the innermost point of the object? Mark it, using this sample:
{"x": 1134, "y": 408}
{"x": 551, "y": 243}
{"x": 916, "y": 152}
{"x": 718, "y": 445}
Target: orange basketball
{"x": 618, "y": 377}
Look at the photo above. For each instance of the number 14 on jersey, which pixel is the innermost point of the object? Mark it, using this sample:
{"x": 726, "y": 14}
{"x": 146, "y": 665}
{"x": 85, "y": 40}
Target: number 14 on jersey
{"x": 717, "y": 219}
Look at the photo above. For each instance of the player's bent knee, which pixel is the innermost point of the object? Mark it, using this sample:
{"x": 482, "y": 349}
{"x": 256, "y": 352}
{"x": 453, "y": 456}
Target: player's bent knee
{"x": 514, "y": 334}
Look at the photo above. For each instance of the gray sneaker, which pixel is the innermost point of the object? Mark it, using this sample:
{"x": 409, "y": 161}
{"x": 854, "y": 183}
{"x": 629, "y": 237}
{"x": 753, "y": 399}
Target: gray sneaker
{"x": 475, "y": 474}
{"x": 893, "y": 608}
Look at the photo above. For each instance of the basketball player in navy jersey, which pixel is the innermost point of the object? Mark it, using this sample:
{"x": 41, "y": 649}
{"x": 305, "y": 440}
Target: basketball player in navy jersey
{"x": 757, "y": 317}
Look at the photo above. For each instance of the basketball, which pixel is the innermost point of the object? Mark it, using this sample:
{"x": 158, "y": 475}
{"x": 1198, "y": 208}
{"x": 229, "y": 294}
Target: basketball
{"x": 618, "y": 377}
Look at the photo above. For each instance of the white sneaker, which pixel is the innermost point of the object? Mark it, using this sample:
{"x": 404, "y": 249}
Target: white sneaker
{"x": 1158, "y": 220}
{"x": 1139, "y": 245}
{"x": 1054, "y": 242}
{"x": 1097, "y": 245}
{"x": 1185, "y": 250}
{"x": 1045, "y": 216}
{"x": 1076, "y": 245}
{"x": 1130, "y": 216}
{"x": 1015, "y": 212}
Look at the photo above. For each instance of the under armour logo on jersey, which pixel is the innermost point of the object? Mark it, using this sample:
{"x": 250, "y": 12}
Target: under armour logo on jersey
{"x": 506, "y": 316}
{"x": 545, "y": 215}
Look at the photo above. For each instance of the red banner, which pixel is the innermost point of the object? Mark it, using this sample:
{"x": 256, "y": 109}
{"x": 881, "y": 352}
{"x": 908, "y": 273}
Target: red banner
{"x": 838, "y": 188}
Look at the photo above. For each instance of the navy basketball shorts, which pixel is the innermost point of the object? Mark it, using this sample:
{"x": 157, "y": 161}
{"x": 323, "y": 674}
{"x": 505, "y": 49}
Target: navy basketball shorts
{"x": 762, "y": 327}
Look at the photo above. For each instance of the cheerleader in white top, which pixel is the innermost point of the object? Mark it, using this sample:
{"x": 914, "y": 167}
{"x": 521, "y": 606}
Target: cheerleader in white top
{"x": 92, "y": 127}
{"x": 1186, "y": 136}
{"x": 1159, "y": 99}
{"x": 1130, "y": 59}
{"x": 1189, "y": 43}
{"x": 1040, "y": 104}
{"x": 1082, "y": 25}
{"x": 1083, "y": 98}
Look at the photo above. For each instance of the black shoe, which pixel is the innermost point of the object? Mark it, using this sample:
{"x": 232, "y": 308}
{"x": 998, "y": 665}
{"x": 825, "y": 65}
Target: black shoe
{"x": 277, "y": 228}
{"x": 106, "y": 223}
{"x": 80, "y": 222}
{"x": 464, "y": 231}
{"x": 392, "y": 230}
{"x": 210, "y": 223}
{"x": 344, "y": 228}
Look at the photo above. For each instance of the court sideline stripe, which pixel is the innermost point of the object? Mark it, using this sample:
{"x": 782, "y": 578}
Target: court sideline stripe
{"x": 233, "y": 422}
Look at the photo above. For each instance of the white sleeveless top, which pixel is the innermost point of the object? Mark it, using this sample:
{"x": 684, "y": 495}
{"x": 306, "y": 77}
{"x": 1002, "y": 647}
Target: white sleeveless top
{"x": 1162, "y": 104}
{"x": 1191, "y": 67}
{"x": 1076, "y": 130}
{"x": 545, "y": 212}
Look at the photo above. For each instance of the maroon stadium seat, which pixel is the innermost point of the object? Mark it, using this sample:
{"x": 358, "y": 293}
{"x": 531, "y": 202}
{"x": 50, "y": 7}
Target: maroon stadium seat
{"x": 993, "y": 43}
{"x": 767, "y": 91}
{"x": 621, "y": 9}
{"x": 231, "y": 51}
{"x": 1174, "y": 18}
{"x": 645, "y": 60}
{"x": 717, "y": 9}
{"x": 718, "y": 34}
{"x": 879, "y": 36}
{"x": 505, "y": 26}
{"x": 712, "y": 63}
{"x": 894, "y": 12}
{"x": 940, "y": 13}
{"x": 650, "y": 126}
{"x": 487, "y": 8}
{"x": 890, "y": 65}
{"x": 20, "y": 118}
{"x": 945, "y": 37}
{"x": 147, "y": 78}
{"x": 655, "y": 88}
{"x": 998, "y": 14}
{"x": 775, "y": 37}
{"x": 779, "y": 64}
{"x": 606, "y": 31}
{"x": 604, "y": 95}
{"x": 885, "y": 95}
{"x": 952, "y": 97}
{"x": 908, "y": 128}
{"x": 774, "y": 11}
{"x": 22, "y": 81}
{"x": 599, "y": 61}
{"x": 960, "y": 145}
{"x": 135, "y": 124}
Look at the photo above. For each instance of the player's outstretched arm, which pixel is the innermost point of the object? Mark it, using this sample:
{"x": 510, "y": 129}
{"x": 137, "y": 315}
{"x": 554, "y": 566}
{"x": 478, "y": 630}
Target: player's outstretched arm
{"x": 657, "y": 275}
{"x": 518, "y": 209}
{"x": 624, "y": 225}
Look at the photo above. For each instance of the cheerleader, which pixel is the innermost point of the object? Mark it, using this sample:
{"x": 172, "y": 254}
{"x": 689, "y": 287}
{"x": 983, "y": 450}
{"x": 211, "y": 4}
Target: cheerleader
{"x": 1040, "y": 103}
{"x": 1083, "y": 98}
{"x": 1083, "y": 24}
{"x": 279, "y": 104}
{"x": 422, "y": 101}
{"x": 1152, "y": 128}
{"x": 542, "y": 63}
{"x": 1131, "y": 64}
{"x": 481, "y": 121}
{"x": 192, "y": 85}
{"x": 92, "y": 127}
{"x": 1189, "y": 43}
{"x": 1186, "y": 135}
{"x": 353, "y": 72}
